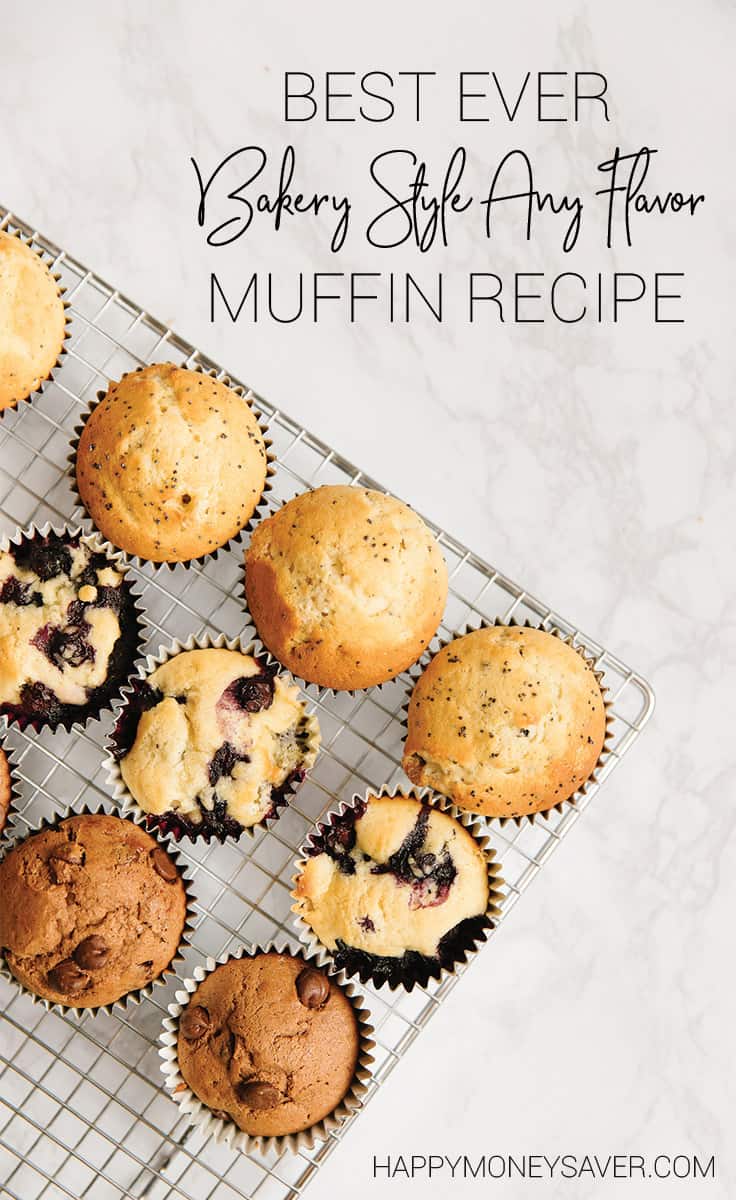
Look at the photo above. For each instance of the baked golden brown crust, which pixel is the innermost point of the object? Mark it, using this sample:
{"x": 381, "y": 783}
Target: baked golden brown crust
{"x": 32, "y": 321}
{"x": 171, "y": 463}
{"x": 92, "y": 909}
{"x": 346, "y": 586}
{"x": 269, "y": 1043}
{"x": 5, "y": 788}
{"x": 507, "y": 721}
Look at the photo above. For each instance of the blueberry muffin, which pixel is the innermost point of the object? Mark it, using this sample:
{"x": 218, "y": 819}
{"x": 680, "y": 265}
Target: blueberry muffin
{"x": 269, "y": 1043}
{"x": 6, "y": 789}
{"x": 346, "y": 586}
{"x": 32, "y": 321}
{"x": 93, "y": 909}
{"x": 507, "y": 721}
{"x": 68, "y": 630}
{"x": 395, "y": 889}
{"x": 170, "y": 464}
{"x": 211, "y": 742}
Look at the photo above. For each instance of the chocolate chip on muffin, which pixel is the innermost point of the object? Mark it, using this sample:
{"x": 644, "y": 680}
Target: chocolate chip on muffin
{"x": 68, "y": 630}
{"x": 346, "y": 586}
{"x": 86, "y": 918}
{"x": 508, "y": 721}
{"x": 32, "y": 321}
{"x": 211, "y": 742}
{"x": 259, "y": 1056}
{"x": 171, "y": 463}
{"x": 393, "y": 888}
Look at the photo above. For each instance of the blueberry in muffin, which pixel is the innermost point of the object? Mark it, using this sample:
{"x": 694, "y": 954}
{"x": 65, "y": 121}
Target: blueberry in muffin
{"x": 93, "y": 908}
{"x": 211, "y": 742}
{"x": 395, "y": 889}
{"x": 270, "y": 1043}
{"x": 68, "y": 630}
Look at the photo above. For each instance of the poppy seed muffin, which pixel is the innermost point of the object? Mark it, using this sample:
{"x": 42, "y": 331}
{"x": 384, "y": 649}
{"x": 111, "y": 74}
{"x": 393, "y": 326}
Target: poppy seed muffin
{"x": 394, "y": 888}
{"x": 270, "y": 1043}
{"x": 346, "y": 586}
{"x": 171, "y": 463}
{"x": 93, "y": 908}
{"x": 32, "y": 321}
{"x": 211, "y": 741}
{"x": 68, "y": 630}
{"x": 507, "y": 721}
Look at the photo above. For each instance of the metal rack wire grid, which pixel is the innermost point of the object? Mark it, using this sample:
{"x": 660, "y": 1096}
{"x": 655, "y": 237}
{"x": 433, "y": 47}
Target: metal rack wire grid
{"x": 83, "y": 1114}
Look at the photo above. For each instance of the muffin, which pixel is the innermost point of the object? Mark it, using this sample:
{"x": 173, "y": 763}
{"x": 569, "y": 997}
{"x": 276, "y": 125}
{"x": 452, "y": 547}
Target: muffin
{"x": 68, "y": 629}
{"x": 508, "y": 721}
{"x": 270, "y": 1043}
{"x": 395, "y": 888}
{"x": 211, "y": 742}
{"x": 170, "y": 464}
{"x": 32, "y": 321}
{"x": 346, "y": 586}
{"x": 6, "y": 788}
{"x": 93, "y": 909}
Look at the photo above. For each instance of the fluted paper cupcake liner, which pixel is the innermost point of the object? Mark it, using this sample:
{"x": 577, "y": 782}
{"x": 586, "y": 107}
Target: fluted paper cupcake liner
{"x": 108, "y": 694}
{"x": 67, "y": 323}
{"x": 226, "y": 1130}
{"x": 279, "y": 796}
{"x": 571, "y": 801}
{"x": 315, "y": 690}
{"x": 412, "y": 969}
{"x": 13, "y": 761}
{"x": 13, "y": 836}
{"x": 232, "y": 543}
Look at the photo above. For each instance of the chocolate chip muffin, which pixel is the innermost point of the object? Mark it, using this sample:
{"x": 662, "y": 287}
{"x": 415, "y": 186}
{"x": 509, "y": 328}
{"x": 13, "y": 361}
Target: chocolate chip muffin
{"x": 394, "y": 888}
{"x": 170, "y": 464}
{"x": 346, "y": 586}
{"x": 92, "y": 909}
{"x": 508, "y": 721}
{"x": 32, "y": 321}
{"x": 269, "y": 1043}
{"x": 68, "y": 630}
{"x": 6, "y": 789}
{"x": 211, "y": 742}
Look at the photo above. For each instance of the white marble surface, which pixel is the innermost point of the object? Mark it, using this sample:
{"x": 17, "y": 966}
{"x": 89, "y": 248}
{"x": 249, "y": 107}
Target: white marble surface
{"x": 593, "y": 463}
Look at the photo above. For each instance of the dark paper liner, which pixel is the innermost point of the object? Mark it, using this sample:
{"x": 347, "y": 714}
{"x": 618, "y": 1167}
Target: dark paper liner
{"x": 12, "y": 838}
{"x": 171, "y": 823}
{"x": 67, "y": 322}
{"x": 412, "y": 969}
{"x": 8, "y": 811}
{"x": 312, "y": 689}
{"x": 238, "y": 539}
{"x": 571, "y": 801}
{"x": 228, "y": 1132}
{"x": 106, "y": 697}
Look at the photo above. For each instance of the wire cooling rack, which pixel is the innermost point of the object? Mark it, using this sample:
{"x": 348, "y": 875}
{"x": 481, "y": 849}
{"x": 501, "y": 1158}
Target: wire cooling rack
{"x": 83, "y": 1114}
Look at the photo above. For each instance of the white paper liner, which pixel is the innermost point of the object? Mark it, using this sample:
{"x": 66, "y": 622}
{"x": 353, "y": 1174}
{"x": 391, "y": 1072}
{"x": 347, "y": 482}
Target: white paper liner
{"x": 469, "y": 822}
{"x": 13, "y": 836}
{"x": 571, "y": 801}
{"x": 227, "y": 1131}
{"x": 67, "y": 322}
{"x": 119, "y": 790}
{"x": 97, "y": 545}
{"x": 237, "y": 540}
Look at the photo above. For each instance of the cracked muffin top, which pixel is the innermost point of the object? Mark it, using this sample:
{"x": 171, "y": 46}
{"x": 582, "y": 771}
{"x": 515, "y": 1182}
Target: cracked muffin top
{"x": 92, "y": 909}
{"x": 270, "y": 1043}
{"x": 507, "y": 721}
{"x": 171, "y": 463}
{"x": 390, "y": 876}
{"x": 32, "y": 321}
{"x": 346, "y": 586}
{"x": 68, "y": 630}
{"x": 209, "y": 740}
